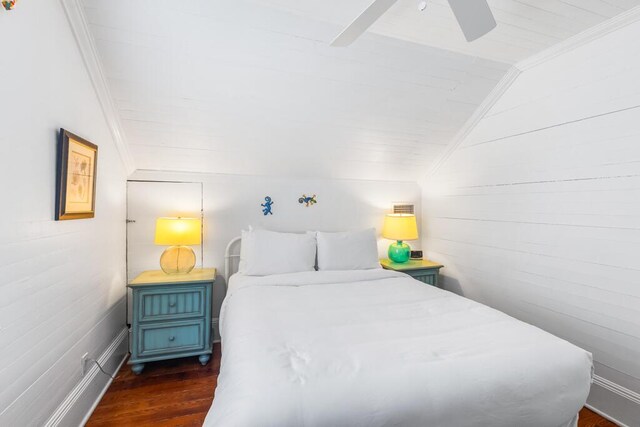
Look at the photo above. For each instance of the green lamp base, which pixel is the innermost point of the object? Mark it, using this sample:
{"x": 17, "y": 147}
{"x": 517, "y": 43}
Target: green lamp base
{"x": 399, "y": 252}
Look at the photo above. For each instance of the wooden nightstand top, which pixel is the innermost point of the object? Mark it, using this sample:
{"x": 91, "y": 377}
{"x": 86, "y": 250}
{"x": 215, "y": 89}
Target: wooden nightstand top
{"x": 412, "y": 264}
{"x": 156, "y": 277}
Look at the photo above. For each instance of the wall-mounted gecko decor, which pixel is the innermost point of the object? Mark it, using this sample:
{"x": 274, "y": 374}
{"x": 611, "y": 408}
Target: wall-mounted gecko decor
{"x": 307, "y": 200}
{"x": 267, "y": 206}
{"x": 8, "y": 4}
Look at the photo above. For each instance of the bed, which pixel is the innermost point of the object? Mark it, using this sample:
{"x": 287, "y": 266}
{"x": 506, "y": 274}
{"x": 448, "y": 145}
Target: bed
{"x": 378, "y": 348}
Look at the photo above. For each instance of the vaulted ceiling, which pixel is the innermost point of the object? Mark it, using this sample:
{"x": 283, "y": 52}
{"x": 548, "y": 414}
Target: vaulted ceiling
{"x": 253, "y": 87}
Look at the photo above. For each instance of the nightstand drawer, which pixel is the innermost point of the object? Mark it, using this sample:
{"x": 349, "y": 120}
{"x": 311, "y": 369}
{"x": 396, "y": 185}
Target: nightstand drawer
{"x": 428, "y": 278}
{"x": 172, "y": 337}
{"x": 171, "y": 304}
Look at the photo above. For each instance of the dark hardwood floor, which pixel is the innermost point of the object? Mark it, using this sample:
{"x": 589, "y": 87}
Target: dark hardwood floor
{"x": 179, "y": 393}
{"x": 170, "y": 393}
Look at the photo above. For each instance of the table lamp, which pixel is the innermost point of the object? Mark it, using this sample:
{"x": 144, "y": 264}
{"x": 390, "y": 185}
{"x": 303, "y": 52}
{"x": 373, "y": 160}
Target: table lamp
{"x": 400, "y": 227}
{"x": 178, "y": 233}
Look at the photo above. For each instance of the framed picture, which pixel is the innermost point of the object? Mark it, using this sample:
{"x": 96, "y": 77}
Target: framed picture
{"x": 77, "y": 161}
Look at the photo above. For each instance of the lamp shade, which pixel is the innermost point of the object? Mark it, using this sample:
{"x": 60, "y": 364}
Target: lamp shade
{"x": 178, "y": 231}
{"x": 400, "y": 227}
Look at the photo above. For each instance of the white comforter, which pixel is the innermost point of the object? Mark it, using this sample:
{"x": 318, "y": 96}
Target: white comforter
{"x": 378, "y": 348}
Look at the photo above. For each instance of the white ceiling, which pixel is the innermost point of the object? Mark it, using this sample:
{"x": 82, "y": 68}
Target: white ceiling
{"x": 252, "y": 87}
{"x": 525, "y": 27}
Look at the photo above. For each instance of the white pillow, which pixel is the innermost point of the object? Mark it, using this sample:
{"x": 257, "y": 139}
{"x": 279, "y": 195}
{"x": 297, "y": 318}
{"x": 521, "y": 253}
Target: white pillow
{"x": 266, "y": 252}
{"x": 349, "y": 250}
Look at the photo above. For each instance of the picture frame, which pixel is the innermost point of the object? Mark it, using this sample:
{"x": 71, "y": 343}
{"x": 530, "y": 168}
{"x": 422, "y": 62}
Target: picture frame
{"x": 76, "y": 172}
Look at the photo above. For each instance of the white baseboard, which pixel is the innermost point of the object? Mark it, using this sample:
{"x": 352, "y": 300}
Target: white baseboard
{"x": 607, "y": 416}
{"x": 607, "y": 398}
{"x": 80, "y": 403}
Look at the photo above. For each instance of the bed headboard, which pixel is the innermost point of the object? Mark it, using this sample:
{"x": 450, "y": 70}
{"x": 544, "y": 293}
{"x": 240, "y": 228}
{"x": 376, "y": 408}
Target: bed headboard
{"x": 232, "y": 258}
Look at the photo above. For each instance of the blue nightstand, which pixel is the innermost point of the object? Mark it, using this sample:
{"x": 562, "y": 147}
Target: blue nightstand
{"x": 171, "y": 316}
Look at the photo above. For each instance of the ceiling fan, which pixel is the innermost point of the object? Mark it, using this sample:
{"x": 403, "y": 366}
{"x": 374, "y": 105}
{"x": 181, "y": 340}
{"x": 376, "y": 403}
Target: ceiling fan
{"x": 474, "y": 16}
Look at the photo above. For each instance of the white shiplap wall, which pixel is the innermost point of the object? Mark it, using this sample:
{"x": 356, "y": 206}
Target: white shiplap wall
{"x": 61, "y": 283}
{"x": 537, "y": 213}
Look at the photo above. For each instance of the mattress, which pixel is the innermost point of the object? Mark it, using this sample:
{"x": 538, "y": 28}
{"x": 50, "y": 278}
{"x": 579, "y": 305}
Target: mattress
{"x": 378, "y": 348}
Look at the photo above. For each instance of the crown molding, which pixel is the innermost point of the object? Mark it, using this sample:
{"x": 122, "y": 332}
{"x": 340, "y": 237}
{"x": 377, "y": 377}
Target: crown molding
{"x": 86, "y": 44}
{"x": 482, "y": 110}
{"x": 580, "y": 39}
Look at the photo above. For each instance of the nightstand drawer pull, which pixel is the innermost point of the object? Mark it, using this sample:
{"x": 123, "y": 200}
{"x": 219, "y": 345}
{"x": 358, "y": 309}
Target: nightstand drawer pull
{"x": 172, "y": 304}
{"x": 172, "y": 338}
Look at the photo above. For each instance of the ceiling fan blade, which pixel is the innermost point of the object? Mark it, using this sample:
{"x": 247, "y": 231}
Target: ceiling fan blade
{"x": 474, "y": 16}
{"x": 362, "y": 22}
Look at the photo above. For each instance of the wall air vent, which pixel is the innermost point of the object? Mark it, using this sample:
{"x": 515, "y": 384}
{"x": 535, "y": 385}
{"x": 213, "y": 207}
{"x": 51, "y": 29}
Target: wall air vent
{"x": 403, "y": 208}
